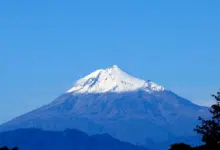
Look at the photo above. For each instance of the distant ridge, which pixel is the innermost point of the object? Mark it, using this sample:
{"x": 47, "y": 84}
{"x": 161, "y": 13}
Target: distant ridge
{"x": 36, "y": 139}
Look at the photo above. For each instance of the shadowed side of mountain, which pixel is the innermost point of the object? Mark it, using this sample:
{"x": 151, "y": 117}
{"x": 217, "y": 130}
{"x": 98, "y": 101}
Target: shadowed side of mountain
{"x": 134, "y": 117}
{"x": 93, "y": 110}
{"x": 37, "y": 139}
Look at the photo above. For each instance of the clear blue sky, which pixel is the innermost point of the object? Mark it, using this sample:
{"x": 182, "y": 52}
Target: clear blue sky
{"x": 46, "y": 45}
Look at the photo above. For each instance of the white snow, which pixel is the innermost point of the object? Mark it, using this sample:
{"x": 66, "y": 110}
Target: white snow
{"x": 112, "y": 79}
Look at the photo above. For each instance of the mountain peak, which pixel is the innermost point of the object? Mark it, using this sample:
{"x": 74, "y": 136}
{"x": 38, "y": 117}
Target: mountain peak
{"x": 115, "y": 67}
{"x": 112, "y": 79}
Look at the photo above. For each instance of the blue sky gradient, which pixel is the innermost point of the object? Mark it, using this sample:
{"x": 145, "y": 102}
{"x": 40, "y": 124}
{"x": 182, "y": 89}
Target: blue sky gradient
{"x": 46, "y": 45}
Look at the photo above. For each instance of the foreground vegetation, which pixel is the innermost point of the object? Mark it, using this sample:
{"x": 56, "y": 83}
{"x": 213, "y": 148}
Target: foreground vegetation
{"x": 209, "y": 129}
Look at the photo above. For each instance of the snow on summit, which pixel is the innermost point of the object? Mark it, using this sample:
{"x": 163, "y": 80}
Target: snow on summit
{"x": 112, "y": 79}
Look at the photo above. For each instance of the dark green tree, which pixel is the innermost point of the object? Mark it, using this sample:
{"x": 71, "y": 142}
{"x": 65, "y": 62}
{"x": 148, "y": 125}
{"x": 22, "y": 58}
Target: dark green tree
{"x": 4, "y": 148}
{"x": 180, "y": 146}
{"x": 15, "y": 148}
{"x": 210, "y": 129}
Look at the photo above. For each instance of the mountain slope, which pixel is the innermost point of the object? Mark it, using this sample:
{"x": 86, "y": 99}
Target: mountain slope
{"x": 36, "y": 139}
{"x": 114, "y": 102}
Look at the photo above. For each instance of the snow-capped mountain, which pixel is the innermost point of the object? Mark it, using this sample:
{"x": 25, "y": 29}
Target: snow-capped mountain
{"x": 112, "y": 79}
{"x": 114, "y": 102}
